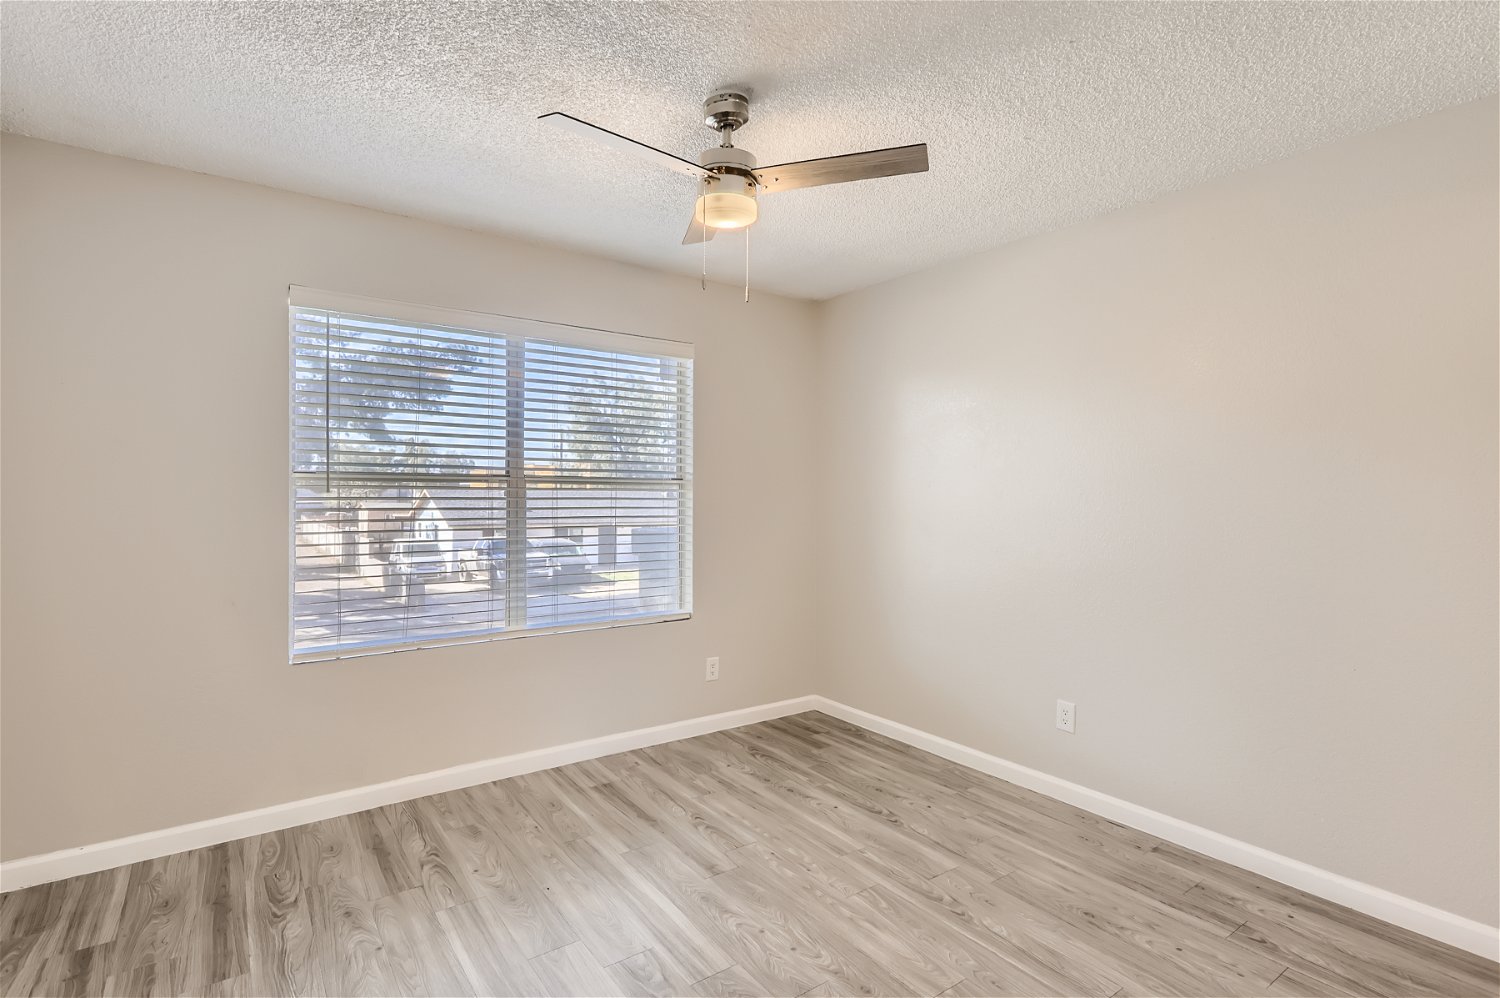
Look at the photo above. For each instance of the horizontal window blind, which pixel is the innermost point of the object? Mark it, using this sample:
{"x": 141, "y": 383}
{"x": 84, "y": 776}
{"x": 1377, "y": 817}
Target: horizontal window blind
{"x": 459, "y": 477}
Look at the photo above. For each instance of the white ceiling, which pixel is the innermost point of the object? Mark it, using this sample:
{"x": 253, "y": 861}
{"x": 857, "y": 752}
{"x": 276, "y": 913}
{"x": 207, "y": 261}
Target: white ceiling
{"x": 1037, "y": 114}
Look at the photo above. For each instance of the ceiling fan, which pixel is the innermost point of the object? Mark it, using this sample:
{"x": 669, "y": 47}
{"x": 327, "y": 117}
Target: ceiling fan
{"x": 731, "y": 180}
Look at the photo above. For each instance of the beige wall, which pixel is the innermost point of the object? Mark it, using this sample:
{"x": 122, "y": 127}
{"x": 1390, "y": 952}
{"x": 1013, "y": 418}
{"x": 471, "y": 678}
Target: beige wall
{"x": 145, "y": 681}
{"x": 1222, "y": 470}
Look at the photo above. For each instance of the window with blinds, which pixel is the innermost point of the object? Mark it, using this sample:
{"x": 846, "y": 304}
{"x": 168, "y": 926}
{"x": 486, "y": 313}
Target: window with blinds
{"x": 460, "y": 477}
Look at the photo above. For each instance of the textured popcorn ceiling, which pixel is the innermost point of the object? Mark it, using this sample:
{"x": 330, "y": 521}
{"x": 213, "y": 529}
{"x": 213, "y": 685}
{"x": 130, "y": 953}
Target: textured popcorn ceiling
{"x": 1038, "y": 114}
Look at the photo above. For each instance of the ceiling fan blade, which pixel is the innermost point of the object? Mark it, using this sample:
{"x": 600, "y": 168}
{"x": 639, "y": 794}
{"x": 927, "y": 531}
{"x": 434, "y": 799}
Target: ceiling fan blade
{"x": 842, "y": 169}
{"x": 698, "y": 233}
{"x": 619, "y": 142}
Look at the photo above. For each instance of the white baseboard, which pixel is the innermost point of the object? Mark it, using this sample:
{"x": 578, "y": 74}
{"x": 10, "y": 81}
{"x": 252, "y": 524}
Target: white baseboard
{"x": 60, "y": 865}
{"x": 1444, "y": 926}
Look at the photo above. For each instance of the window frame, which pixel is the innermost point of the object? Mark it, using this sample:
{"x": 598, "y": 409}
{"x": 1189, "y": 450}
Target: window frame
{"x": 511, "y": 330}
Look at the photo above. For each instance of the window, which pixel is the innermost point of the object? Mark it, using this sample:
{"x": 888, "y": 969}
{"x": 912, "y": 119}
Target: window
{"x": 459, "y": 477}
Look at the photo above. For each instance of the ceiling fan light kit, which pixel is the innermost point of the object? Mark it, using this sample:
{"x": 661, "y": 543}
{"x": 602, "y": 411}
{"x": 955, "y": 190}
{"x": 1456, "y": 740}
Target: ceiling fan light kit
{"x": 730, "y": 180}
{"x": 727, "y": 203}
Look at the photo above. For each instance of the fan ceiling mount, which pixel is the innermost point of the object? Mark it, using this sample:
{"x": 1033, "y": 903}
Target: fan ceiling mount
{"x": 730, "y": 178}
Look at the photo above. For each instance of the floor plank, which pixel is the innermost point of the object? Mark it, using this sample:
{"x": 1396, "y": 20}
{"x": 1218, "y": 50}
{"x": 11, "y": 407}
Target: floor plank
{"x": 572, "y": 970}
{"x": 801, "y": 856}
{"x": 646, "y": 975}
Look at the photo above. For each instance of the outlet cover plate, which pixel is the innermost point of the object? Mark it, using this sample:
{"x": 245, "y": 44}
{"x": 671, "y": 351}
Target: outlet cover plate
{"x": 1067, "y": 713}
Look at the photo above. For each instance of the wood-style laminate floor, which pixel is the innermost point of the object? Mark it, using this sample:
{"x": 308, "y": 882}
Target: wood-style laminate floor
{"x": 796, "y": 857}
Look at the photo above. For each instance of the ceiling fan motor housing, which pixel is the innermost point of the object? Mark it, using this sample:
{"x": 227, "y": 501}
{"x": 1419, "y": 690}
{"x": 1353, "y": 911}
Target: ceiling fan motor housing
{"x": 727, "y": 159}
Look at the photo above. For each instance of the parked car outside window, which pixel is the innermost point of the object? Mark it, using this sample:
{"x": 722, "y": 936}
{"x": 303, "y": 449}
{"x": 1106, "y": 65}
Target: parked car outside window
{"x": 570, "y": 565}
{"x": 548, "y": 559}
{"x": 415, "y": 564}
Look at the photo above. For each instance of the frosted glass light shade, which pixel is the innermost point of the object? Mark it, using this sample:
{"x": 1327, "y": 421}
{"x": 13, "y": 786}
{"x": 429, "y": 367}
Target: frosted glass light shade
{"x": 728, "y": 204}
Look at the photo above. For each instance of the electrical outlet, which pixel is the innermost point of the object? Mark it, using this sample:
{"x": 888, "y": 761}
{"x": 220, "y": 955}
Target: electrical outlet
{"x": 711, "y": 670}
{"x": 1065, "y": 715}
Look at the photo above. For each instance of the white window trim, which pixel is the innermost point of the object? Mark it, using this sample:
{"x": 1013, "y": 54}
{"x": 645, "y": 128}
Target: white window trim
{"x": 299, "y": 296}
{"x": 490, "y": 322}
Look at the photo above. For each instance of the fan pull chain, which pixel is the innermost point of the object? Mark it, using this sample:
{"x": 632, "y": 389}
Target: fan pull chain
{"x": 747, "y": 264}
{"x": 703, "y": 210}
